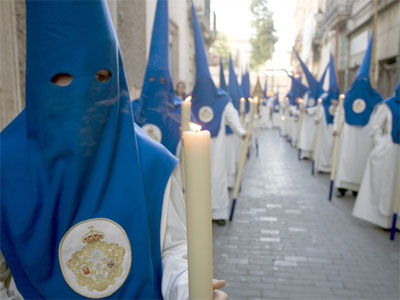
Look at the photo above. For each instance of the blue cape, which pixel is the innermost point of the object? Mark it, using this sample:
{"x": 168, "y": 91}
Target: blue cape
{"x": 158, "y": 104}
{"x": 333, "y": 92}
{"x": 361, "y": 98}
{"x": 276, "y": 103}
{"x": 73, "y": 154}
{"x": 222, "y": 82}
{"x": 205, "y": 94}
{"x": 394, "y": 104}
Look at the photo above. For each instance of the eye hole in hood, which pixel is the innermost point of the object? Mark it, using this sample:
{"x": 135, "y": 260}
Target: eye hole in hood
{"x": 62, "y": 79}
{"x": 103, "y": 75}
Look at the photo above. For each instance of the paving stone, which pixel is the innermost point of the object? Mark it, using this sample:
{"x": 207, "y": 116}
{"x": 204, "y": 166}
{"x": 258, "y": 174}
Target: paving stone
{"x": 287, "y": 241}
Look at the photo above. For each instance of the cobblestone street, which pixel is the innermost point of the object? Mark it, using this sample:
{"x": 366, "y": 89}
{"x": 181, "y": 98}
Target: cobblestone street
{"x": 287, "y": 241}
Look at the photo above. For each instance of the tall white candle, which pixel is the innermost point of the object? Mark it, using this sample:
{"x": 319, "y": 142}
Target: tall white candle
{"x": 186, "y": 108}
{"x": 242, "y": 110}
{"x": 196, "y": 147}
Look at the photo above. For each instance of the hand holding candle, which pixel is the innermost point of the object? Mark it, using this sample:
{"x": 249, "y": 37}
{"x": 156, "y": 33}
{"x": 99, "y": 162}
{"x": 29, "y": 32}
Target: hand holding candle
{"x": 196, "y": 147}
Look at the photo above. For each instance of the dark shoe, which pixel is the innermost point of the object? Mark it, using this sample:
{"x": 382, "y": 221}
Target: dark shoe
{"x": 355, "y": 194}
{"x": 220, "y": 222}
{"x": 340, "y": 193}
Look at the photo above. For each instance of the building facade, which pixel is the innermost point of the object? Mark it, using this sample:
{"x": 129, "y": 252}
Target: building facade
{"x": 343, "y": 27}
{"x": 133, "y": 22}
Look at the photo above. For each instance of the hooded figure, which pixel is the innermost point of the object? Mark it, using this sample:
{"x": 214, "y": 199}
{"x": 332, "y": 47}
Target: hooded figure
{"x": 325, "y": 139}
{"x": 232, "y": 142}
{"x": 83, "y": 191}
{"x": 307, "y": 129}
{"x": 222, "y": 82}
{"x": 297, "y": 90}
{"x": 158, "y": 110}
{"x": 213, "y": 109}
{"x": 355, "y": 141}
{"x": 378, "y": 187}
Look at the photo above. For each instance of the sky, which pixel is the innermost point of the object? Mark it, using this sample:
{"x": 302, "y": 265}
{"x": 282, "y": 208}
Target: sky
{"x": 234, "y": 19}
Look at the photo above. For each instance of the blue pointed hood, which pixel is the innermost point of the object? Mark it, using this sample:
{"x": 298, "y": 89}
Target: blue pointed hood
{"x": 361, "y": 98}
{"x": 333, "y": 93}
{"x": 246, "y": 89}
{"x": 74, "y": 155}
{"x": 394, "y": 105}
{"x": 233, "y": 86}
{"x": 158, "y": 108}
{"x": 363, "y": 71}
{"x": 208, "y": 101}
{"x": 265, "y": 89}
{"x": 246, "y": 84}
{"x": 222, "y": 82}
{"x": 315, "y": 87}
{"x": 322, "y": 80}
{"x": 297, "y": 90}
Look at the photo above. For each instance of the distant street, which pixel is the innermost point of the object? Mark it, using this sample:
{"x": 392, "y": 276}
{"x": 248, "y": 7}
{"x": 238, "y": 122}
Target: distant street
{"x": 288, "y": 241}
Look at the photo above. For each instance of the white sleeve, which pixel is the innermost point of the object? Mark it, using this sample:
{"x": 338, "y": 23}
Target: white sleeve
{"x": 232, "y": 119}
{"x": 311, "y": 110}
{"x": 378, "y": 119}
{"x": 319, "y": 115}
{"x": 175, "y": 284}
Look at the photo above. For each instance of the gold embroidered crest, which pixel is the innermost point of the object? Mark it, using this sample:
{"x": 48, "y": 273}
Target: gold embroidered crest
{"x": 97, "y": 264}
{"x": 153, "y": 131}
{"x": 95, "y": 257}
{"x": 206, "y": 114}
{"x": 359, "y": 106}
{"x": 332, "y": 109}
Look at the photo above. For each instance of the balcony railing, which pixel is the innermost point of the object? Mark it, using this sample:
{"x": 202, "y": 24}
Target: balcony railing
{"x": 336, "y": 12}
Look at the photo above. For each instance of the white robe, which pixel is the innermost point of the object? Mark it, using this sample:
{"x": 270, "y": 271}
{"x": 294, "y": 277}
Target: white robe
{"x": 294, "y": 120}
{"x": 282, "y": 118}
{"x": 306, "y": 138}
{"x": 324, "y": 146}
{"x": 276, "y": 118}
{"x": 286, "y": 122}
{"x": 265, "y": 112}
{"x": 377, "y": 191}
{"x": 224, "y": 158}
{"x": 173, "y": 247}
{"x": 354, "y": 148}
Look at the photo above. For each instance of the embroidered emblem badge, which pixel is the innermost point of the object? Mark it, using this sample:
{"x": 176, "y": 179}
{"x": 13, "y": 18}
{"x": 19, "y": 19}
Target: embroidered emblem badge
{"x": 332, "y": 109}
{"x": 359, "y": 106}
{"x": 206, "y": 114}
{"x": 311, "y": 102}
{"x": 95, "y": 257}
{"x": 153, "y": 131}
